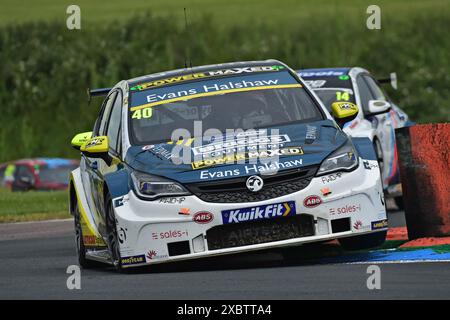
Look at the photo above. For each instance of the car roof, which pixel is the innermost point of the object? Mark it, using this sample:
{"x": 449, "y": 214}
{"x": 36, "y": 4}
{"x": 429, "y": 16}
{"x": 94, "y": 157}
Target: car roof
{"x": 51, "y": 162}
{"x": 187, "y": 71}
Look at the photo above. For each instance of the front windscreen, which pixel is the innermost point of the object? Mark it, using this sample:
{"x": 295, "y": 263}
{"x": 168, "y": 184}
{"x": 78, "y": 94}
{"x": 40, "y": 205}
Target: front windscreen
{"x": 330, "y": 95}
{"x": 256, "y": 100}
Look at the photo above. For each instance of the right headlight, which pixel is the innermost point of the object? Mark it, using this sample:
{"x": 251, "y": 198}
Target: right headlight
{"x": 343, "y": 159}
{"x": 152, "y": 187}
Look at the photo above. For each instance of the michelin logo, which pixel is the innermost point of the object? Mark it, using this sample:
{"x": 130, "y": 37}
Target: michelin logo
{"x": 269, "y": 211}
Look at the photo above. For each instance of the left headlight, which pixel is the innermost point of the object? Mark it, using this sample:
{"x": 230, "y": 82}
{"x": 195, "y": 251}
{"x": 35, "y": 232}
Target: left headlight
{"x": 152, "y": 187}
{"x": 343, "y": 159}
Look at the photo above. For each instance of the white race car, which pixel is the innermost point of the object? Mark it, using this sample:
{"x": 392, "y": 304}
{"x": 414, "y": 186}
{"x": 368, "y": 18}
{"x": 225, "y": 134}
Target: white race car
{"x": 270, "y": 167}
{"x": 358, "y": 86}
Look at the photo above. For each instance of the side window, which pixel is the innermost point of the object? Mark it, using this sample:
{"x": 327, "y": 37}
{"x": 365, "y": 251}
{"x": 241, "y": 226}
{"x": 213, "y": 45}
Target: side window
{"x": 364, "y": 93}
{"x": 376, "y": 90}
{"x": 23, "y": 171}
{"x": 114, "y": 124}
{"x": 105, "y": 114}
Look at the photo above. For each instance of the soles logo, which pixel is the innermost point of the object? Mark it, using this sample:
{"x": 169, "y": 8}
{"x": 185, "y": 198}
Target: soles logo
{"x": 269, "y": 211}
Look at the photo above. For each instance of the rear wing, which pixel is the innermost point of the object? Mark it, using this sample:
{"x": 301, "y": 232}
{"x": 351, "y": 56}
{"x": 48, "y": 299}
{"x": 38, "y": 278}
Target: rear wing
{"x": 97, "y": 92}
{"x": 392, "y": 80}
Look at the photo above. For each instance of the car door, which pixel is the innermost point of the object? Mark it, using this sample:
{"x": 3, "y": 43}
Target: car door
{"x": 90, "y": 166}
{"x": 99, "y": 167}
{"x": 385, "y": 131}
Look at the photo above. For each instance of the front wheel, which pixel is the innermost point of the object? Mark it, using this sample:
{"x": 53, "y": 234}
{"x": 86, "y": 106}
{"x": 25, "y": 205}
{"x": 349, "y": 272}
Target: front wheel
{"x": 364, "y": 241}
{"x": 81, "y": 249}
{"x": 113, "y": 239}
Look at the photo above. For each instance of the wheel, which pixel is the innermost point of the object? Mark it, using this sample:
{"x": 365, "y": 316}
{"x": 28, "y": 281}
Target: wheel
{"x": 399, "y": 203}
{"x": 112, "y": 236}
{"x": 364, "y": 241}
{"x": 81, "y": 249}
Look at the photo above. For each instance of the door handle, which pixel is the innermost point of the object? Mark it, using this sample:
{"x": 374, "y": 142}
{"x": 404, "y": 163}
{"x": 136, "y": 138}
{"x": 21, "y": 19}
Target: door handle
{"x": 94, "y": 165}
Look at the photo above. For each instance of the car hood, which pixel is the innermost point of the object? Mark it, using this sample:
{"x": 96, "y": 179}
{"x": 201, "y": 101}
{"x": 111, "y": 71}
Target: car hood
{"x": 316, "y": 140}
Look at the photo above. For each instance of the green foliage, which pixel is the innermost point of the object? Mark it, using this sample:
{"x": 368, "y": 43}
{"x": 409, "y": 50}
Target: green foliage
{"x": 45, "y": 68}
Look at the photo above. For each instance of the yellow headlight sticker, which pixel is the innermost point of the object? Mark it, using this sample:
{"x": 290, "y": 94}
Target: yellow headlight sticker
{"x": 213, "y": 93}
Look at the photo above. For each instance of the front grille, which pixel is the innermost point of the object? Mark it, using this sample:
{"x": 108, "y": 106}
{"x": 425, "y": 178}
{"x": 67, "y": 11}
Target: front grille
{"x": 260, "y": 231}
{"x": 234, "y": 190}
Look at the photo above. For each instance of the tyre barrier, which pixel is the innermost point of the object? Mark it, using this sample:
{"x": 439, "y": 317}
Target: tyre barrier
{"x": 424, "y": 162}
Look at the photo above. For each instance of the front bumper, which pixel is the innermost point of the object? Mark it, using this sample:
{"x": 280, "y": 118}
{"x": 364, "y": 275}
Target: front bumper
{"x": 182, "y": 228}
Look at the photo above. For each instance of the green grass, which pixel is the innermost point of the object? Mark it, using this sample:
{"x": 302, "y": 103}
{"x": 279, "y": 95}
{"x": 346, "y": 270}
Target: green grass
{"x": 33, "y": 206}
{"x": 226, "y": 12}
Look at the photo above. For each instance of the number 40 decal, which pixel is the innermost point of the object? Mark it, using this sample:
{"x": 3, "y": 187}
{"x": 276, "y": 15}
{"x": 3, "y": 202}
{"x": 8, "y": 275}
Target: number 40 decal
{"x": 142, "y": 113}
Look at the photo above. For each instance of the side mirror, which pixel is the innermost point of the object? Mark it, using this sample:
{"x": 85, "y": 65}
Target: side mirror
{"x": 97, "y": 147}
{"x": 344, "y": 112}
{"x": 378, "y": 107}
{"x": 80, "y": 139}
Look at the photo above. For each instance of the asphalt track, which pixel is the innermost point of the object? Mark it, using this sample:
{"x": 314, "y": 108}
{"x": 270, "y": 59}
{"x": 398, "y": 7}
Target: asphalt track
{"x": 33, "y": 266}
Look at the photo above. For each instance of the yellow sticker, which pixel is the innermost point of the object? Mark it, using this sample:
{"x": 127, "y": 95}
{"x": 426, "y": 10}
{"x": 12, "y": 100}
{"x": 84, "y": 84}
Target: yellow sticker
{"x": 145, "y": 113}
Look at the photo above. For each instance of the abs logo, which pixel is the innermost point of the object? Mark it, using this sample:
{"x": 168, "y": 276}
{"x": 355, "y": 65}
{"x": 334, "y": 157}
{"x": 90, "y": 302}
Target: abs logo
{"x": 312, "y": 201}
{"x": 203, "y": 217}
{"x": 269, "y": 211}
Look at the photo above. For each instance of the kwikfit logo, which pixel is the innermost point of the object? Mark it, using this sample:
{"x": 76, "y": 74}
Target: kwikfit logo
{"x": 269, "y": 211}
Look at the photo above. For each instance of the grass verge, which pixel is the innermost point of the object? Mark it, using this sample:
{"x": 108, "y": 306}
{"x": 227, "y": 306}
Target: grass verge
{"x": 33, "y": 206}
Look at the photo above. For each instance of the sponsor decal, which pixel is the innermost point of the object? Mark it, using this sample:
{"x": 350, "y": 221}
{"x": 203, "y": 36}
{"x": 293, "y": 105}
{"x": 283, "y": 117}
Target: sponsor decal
{"x": 312, "y": 201}
{"x": 122, "y": 235}
{"x": 250, "y": 169}
{"x": 331, "y": 177}
{"x": 325, "y": 191}
{"x": 172, "y": 200}
{"x": 269, "y": 211}
{"x": 358, "y": 225}
{"x": 311, "y": 134}
{"x": 328, "y": 73}
{"x": 159, "y": 151}
{"x": 233, "y": 158}
{"x": 148, "y": 147}
{"x": 184, "y": 211}
{"x": 169, "y": 234}
{"x": 152, "y": 255}
{"x": 89, "y": 240}
{"x": 132, "y": 260}
{"x": 380, "y": 224}
{"x": 203, "y": 217}
{"x": 315, "y": 83}
{"x": 349, "y": 208}
{"x": 118, "y": 202}
{"x": 242, "y": 142}
{"x": 202, "y": 75}
{"x": 94, "y": 142}
{"x": 369, "y": 166}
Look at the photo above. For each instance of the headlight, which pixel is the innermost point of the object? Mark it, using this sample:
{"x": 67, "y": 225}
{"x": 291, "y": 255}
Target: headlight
{"x": 344, "y": 159}
{"x": 152, "y": 187}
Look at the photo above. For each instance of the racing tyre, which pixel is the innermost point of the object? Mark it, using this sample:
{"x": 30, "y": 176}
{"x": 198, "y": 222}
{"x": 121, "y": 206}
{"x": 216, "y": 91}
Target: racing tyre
{"x": 112, "y": 236}
{"x": 399, "y": 203}
{"x": 81, "y": 249}
{"x": 364, "y": 241}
